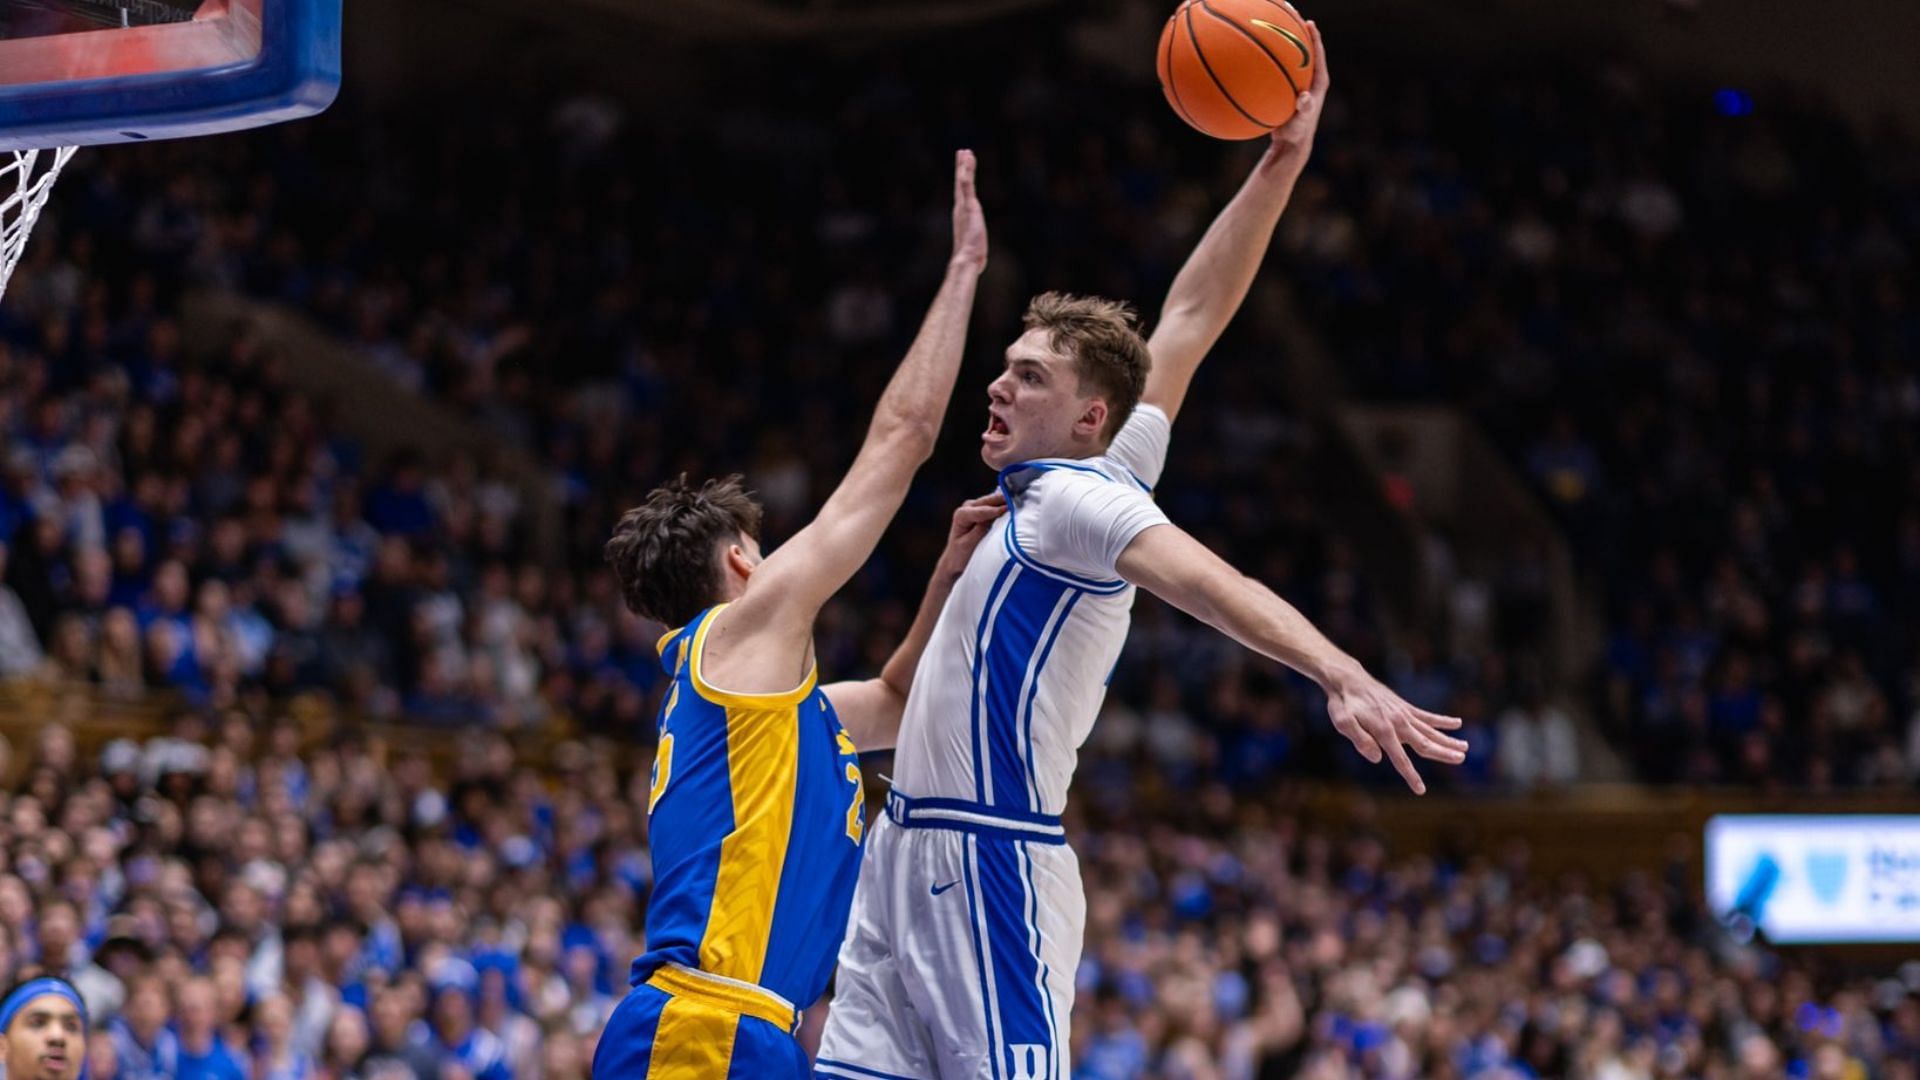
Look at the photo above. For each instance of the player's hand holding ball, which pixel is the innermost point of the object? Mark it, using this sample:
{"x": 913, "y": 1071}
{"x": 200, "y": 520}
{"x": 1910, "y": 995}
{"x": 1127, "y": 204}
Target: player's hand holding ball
{"x": 1240, "y": 69}
{"x": 1295, "y": 137}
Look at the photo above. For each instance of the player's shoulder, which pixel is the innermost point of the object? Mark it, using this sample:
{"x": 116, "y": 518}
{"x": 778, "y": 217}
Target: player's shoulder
{"x": 1055, "y": 494}
{"x": 1070, "y": 474}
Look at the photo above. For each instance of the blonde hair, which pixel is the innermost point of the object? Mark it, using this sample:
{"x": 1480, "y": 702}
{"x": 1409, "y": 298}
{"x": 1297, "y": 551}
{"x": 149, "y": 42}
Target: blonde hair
{"x": 1103, "y": 338}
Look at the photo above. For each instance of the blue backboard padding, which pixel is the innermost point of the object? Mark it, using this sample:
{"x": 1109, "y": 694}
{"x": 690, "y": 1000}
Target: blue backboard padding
{"x": 296, "y": 74}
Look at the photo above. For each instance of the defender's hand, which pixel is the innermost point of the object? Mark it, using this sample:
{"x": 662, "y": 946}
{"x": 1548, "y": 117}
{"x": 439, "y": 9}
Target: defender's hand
{"x": 969, "y": 221}
{"x": 970, "y": 523}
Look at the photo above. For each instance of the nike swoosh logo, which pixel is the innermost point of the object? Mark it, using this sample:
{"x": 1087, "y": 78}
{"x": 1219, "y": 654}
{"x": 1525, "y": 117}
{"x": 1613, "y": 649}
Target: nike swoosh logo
{"x": 938, "y": 889}
{"x": 1306, "y": 57}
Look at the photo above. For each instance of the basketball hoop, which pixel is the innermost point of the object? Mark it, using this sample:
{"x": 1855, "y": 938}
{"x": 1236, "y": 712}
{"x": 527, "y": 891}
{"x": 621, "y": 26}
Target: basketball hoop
{"x": 26, "y": 179}
{"x": 91, "y": 72}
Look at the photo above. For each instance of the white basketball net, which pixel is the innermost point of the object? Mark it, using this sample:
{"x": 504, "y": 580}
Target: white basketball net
{"x": 26, "y": 178}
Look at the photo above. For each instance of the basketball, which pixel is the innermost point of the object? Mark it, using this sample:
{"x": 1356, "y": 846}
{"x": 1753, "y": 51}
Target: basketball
{"x": 1234, "y": 68}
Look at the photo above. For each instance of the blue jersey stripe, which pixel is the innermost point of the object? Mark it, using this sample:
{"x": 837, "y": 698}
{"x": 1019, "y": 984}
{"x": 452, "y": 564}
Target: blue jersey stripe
{"x": 693, "y": 810}
{"x": 981, "y": 638}
{"x": 1024, "y": 1033}
{"x": 1013, "y": 649}
{"x": 1057, "y": 1052}
{"x": 1060, "y": 617}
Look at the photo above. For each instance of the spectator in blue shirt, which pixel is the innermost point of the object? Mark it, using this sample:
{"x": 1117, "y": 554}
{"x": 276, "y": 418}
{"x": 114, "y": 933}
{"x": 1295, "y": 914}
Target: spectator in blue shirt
{"x": 454, "y": 1034}
{"x": 204, "y": 1055}
{"x": 142, "y": 1045}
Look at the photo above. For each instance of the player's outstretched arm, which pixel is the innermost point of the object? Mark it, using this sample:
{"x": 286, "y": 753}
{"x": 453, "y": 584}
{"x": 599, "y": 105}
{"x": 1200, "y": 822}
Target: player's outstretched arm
{"x": 1169, "y": 563}
{"x": 1212, "y": 285}
{"x": 754, "y": 644}
{"x": 870, "y": 709}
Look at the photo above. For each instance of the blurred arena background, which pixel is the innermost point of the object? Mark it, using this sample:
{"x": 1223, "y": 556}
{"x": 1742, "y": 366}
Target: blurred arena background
{"x": 1580, "y": 397}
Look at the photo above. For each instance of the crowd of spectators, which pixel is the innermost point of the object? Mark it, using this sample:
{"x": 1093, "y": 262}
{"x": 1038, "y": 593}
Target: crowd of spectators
{"x": 235, "y": 901}
{"x": 201, "y": 529}
{"x": 1694, "y": 342}
{"x": 1690, "y": 319}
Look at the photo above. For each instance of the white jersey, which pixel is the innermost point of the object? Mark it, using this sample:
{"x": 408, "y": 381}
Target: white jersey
{"x": 1019, "y": 662}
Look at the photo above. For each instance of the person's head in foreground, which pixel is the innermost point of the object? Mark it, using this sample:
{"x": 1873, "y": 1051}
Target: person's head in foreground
{"x": 1070, "y": 383}
{"x": 686, "y": 549}
{"x": 43, "y": 1030}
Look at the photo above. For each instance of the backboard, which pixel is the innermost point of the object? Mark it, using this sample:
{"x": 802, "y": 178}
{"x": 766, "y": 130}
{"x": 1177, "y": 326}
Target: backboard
{"x": 81, "y": 72}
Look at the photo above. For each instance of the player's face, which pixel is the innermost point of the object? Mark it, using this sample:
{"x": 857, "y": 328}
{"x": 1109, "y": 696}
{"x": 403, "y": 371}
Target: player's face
{"x": 46, "y": 1041}
{"x": 1034, "y": 409}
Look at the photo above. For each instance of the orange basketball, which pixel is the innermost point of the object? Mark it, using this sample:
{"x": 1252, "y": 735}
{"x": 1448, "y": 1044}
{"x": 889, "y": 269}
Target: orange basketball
{"x": 1234, "y": 68}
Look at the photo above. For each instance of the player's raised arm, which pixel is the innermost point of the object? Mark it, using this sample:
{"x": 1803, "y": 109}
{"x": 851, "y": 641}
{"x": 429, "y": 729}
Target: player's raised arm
{"x": 1167, "y": 562}
{"x": 785, "y": 592}
{"x": 870, "y": 709}
{"x": 1214, "y": 282}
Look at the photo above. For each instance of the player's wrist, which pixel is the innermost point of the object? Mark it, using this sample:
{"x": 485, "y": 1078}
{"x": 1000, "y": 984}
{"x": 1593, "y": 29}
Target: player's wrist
{"x": 1283, "y": 163}
{"x": 1341, "y": 676}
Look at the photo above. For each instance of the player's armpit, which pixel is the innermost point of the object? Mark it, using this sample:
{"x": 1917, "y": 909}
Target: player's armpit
{"x": 764, "y": 638}
{"x": 755, "y": 647}
{"x": 870, "y": 710}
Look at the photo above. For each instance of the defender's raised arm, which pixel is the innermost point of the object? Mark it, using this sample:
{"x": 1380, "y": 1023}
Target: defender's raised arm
{"x": 785, "y": 592}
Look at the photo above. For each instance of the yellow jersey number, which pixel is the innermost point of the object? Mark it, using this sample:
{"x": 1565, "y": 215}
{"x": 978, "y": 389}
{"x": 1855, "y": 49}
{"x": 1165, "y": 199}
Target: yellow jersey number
{"x": 856, "y": 827}
{"x": 662, "y": 771}
{"x": 856, "y": 811}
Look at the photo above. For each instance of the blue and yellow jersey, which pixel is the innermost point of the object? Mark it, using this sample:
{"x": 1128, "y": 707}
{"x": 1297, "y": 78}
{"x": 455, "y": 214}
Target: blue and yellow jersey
{"x": 756, "y": 816}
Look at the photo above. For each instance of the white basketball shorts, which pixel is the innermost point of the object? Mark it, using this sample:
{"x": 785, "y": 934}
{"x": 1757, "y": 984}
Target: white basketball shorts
{"x": 960, "y": 956}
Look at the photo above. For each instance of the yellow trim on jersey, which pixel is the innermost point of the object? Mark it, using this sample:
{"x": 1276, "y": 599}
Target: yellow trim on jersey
{"x": 728, "y": 698}
{"x": 728, "y": 994}
{"x": 693, "y": 1042}
{"x": 763, "y": 765}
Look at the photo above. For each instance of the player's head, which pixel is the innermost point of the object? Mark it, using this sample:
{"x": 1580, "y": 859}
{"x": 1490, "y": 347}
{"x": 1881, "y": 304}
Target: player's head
{"x": 1071, "y": 381}
{"x": 686, "y": 549}
{"x": 43, "y": 1030}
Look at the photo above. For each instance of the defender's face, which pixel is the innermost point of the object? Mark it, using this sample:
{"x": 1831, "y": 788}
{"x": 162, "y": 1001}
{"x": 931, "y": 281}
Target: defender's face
{"x": 1033, "y": 406}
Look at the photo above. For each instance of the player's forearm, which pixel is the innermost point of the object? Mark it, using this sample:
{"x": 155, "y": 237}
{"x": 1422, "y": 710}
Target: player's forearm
{"x": 1214, "y": 282}
{"x": 907, "y": 419}
{"x": 1263, "y": 621}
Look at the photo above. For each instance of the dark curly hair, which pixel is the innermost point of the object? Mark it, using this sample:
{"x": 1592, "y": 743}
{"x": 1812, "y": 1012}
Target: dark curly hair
{"x": 665, "y": 551}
